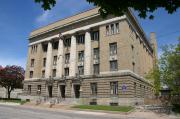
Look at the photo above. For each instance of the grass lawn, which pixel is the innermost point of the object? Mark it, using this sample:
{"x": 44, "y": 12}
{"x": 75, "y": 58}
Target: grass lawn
{"x": 105, "y": 108}
{"x": 12, "y": 100}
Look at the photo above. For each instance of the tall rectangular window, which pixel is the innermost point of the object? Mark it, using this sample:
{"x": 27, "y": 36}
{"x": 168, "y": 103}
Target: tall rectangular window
{"x": 107, "y": 30}
{"x": 67, "y": 58}
{"x": 29, "y": 89}
{"x": 95, "y": 35}
{"x": 66, "y": 71}
{"x": 45, "y": 47}
{"x": 96, "y": 68}
{"x": 114, "y": 88}
{"x": 113, "y": 65}
{"x": 112, "y": 29}
{"x": 81, "y": 39}
{"x": 55, "y": 45}
{"x": 32, "y": 62}
{"x": 55, "y": 60}
{"x": 43, "y": 74}
{"x": 39, "y": 89}
{"x": 31, "y": 74}
{"x": 67, "y": 42}
{"x": 44, "y": 62}
{"x": 133, "y": 66}
{"x": 54, "y": 73}
{"x": 81, "y": 70}
{"x": 81, "y": 56}
{"x": 113, "y": 48}
{"x": 93, "y": 88}
{"x": 117, "y": 27}
{"x": 96, "y": 53}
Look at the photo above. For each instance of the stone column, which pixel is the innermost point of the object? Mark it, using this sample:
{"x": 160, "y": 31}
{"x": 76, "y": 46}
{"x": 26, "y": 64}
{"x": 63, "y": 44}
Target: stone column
{"x": 48, "y": 60}
{"x": 87, "y": 56}
{"x": 73, "y": 57}
{"x": 60, "y": 59}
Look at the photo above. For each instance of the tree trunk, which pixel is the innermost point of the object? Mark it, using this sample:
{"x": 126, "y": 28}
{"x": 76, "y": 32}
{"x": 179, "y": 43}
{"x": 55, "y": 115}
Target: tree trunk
{"x": 9, "y": 93}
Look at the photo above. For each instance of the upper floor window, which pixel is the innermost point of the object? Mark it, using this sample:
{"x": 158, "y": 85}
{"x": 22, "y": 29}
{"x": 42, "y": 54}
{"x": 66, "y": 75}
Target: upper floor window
{"x": 114, "y": 88}
{"x": 81, "y": 56}
{"x": 55, "y": 45}
{"x": 67, "y": 58}
{"x": 44, "y": 62}
{"x": 113, "y": 65}
{"x": 113, "y": 48}
{"x": 95, "y": 35}
{"x": 32, "y": 62}
{"x": 54, "y": 73}
{"x": 43, "y": 74}
{"x": 34, "y": 48}
{"x": 96, "y": 68}
{"x": 112, "y": 29}
{"x": 96, "y": 53}
{"x": 93, "y": 88}
{"x": 81, "y": 39}
{"x": 31, "y": 74}
{"x": 81, "y": 70}
{"x": 55, "y": 60}
{"x": 67, "y": 42}
{"x": 66, "y": 71}
{"x": 45, "y": 47}
{"x": 133, "y": 66}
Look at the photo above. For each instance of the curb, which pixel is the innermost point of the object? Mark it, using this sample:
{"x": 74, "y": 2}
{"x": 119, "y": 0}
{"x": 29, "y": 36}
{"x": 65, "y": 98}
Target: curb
{"x": 10, "y": 103}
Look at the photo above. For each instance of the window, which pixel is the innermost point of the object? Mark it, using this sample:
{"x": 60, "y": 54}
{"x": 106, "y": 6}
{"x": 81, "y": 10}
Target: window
{"x": 43, "y": 74}
{"x": 39, "y": 89}
{"x": 45, "y": 47}
{"x": 81, "y": 70}
{"x": 55, "y": 60}
{"x": 55, "y": 45}
{"x": 34, "y": 48}
{"x": 93, "y": 88}
{"x": 107, "y": 30}
{"x": 67, "y": 58}
{"x": 32, "y": 62}
{"x": 44, "y": 62}
{"x": 67, "y": 42}
{"x": 117, "y": 27}
{"x": 96, "y": 68}
{"x": 135, "y": 89}
{"x": 54, "y": 73}
{"x": 29, "y": 89}
{"x": 96, "y": 53}
{"x": 81, "y": 56}
{"x": 95, "y": 35}
{"x": 81, "y": 39}
{"x": 113, "y": 65}
{"x": 66, "y": 71}
{"x": 31, "y": 74}
{"x": 133, "y": 66}
{"x": 114, "y": 88}
{"x": 113, "y": 48}
{"x": 112, "y": 29}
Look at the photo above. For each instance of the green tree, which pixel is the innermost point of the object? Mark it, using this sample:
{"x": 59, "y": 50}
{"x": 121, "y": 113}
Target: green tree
{"x": 11, "y": 77}
{"x": 119, "y": 7}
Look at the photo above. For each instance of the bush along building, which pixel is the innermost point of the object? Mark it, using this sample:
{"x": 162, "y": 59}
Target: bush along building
{"x": 86, "y": 59}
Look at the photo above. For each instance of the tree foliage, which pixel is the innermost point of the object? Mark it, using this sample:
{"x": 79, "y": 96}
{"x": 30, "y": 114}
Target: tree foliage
{"x": 119, "y": 7}
{"x": 11, "y": 77}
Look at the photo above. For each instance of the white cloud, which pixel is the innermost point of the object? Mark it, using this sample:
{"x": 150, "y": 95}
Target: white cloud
{"x": 61, "y": 10}
{"x": 13, "y": 61}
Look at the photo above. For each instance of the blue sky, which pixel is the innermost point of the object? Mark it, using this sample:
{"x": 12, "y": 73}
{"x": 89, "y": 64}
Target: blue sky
{"x": 18, "y": 18}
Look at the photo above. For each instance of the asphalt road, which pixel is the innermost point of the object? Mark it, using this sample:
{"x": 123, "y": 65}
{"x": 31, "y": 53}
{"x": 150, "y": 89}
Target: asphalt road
{"x": 19, "y": 112}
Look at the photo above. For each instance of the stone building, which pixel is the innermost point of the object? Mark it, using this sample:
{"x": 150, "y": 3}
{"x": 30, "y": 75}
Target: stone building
{"x": 90, "y": 60}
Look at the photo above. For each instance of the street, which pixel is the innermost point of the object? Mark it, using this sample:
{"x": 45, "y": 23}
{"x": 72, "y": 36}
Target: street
{"x": 20, "y": 112}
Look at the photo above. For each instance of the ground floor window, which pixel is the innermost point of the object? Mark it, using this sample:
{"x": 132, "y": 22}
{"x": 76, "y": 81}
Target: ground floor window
{"x": 114, "y": 88}
{"x": 29, "y": 89}
{"x": 94, "y": 88}
{"x": 39, "y": 89}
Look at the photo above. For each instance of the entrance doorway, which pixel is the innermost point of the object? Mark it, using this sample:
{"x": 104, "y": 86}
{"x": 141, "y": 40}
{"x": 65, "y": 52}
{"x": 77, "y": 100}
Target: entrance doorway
{"x": 62, "y": 90}
{"x": 50, "y": 91}
{"x": 77, "y": 91}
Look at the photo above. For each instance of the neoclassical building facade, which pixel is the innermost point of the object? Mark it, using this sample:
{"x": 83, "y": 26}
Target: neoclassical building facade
{"x": 90, "y": 60}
